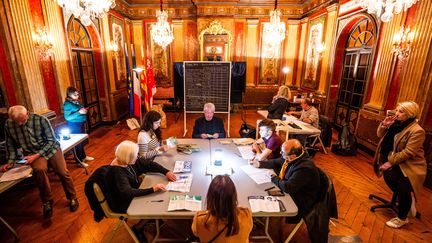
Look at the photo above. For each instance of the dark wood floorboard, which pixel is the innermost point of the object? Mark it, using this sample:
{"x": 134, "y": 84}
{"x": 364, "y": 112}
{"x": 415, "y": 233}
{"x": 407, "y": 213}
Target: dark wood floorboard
{"x": 352, "y": 176}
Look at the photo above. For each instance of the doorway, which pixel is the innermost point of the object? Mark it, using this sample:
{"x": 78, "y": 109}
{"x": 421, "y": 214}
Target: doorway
{"x": 355, "y": 73}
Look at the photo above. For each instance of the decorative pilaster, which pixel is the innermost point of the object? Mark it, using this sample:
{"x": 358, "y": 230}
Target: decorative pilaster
{"x": 302, "y": 51}
{"x": 291, "y": 49}
{"x": 178, "y": 42}
{"x": 251, "y": 50}
{"x": 415, "y": 81}
{"x": 31, "y": 78}
{"x": 60, "y": 48}
{"x": 329, "y": 43}
{"x": 385, "y": 63}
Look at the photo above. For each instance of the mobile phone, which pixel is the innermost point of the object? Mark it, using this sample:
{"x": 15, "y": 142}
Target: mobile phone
{"x": 22, "y": 161}
{"x": 278, "y": 193}
{"x": 390, "y": 113}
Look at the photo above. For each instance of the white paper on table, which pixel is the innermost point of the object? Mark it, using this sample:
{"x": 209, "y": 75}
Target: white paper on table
{"x": 264, "y": 204}
{"x": 182, "y": 166}
{"x": 182, "y": 184}
{"x": 16, "y": 173}
{"x": 218, "y": 170}
{"x": 260, "y": 176}
{"x": 185, "y": 202}
{"x": 246, "y": 151}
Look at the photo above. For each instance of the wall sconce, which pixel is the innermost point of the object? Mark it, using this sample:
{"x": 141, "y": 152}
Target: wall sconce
{"x": 43, "y": 42}
{"x": 402, "y": 42}
{"x": 114, "y": 48}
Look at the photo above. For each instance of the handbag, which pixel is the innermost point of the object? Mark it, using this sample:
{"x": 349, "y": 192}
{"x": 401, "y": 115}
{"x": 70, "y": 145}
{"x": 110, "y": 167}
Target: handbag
{"x": 196, "y": 239}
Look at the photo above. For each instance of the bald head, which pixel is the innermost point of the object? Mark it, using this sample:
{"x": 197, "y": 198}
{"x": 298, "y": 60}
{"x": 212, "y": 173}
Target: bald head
{"x": 19, "y": 114}
{"x": 291, "y": 148}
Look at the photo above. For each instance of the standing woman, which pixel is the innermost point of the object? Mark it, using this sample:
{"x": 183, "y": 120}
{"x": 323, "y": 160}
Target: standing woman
{"x": 400, "y": 157}
{"x": 223, "y": 221}
{"x": 150, "y": 136}
{"x": 279, "y": 103}
{"x": 76, "y": 115}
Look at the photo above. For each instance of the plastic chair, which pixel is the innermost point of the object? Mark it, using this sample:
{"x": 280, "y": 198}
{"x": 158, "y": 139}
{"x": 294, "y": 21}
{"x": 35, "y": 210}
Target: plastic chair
{"x": 110, "y": 214}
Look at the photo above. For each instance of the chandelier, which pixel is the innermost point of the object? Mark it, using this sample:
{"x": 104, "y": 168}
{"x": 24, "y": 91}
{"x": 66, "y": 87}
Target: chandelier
{"x": 274, "y": 32}
{"x": 43, "y": 42}
{"x": 402, "y": 42}
{"x": 385, "y": 9}
{"x": 86, "y": 10}
{"x": 161, "y": 32}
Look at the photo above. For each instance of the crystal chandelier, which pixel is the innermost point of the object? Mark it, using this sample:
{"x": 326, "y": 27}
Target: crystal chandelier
{"x": 385, "y": 9}
{"x": 161, "y": 32}
{"x": 274, "y": 32}
{"x": 86, "y": 10}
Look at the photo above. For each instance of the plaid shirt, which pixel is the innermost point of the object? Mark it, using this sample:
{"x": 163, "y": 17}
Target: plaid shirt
{"x": 35, "y": 136}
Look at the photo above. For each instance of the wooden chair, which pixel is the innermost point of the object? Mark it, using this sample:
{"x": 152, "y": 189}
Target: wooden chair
{"x": 110, "y": 214}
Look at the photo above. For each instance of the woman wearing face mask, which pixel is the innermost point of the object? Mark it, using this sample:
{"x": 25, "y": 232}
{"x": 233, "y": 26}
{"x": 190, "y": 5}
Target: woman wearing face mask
{"x": 150, "y": 136}
{"x": 76, "y": 115}
{"x": 400, "y": 157}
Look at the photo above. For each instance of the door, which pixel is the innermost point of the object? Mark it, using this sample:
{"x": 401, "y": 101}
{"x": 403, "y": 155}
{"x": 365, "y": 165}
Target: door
{"x": 85, "y": 81}
{"x": 355, "y": 74}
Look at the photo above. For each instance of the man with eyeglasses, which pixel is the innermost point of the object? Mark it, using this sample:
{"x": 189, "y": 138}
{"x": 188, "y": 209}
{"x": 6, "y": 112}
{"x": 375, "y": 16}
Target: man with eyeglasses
{"x": 295, "y": 174}
{"x": 268, "y": 146}
{"x": 209, "y": 126}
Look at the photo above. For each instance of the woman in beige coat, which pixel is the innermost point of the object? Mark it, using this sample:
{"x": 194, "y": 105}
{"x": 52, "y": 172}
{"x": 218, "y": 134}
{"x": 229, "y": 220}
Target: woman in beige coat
{"x": 400, "y": 157}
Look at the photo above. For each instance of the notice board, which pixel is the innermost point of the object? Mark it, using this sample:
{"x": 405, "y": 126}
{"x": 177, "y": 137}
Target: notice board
{"x": 207, "y": 82}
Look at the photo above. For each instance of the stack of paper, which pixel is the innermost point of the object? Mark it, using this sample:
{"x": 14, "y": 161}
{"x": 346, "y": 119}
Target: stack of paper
{"x": 246, "y": 152}
{"x": 243, "y": 141}
{"x": 182, "y": 184}
{"x": 218, "y": 170}
{"x": 264, "y": 204}
{"x": 181, "y": 202}
{"x": 260, "y": 176}
{"x": 16, "y": 173}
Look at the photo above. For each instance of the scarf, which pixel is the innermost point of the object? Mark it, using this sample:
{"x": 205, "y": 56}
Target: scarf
{"x": 388, "y": 140}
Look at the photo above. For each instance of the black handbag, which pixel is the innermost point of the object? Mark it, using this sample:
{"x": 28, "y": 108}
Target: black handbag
{"x": 196, "y": 239}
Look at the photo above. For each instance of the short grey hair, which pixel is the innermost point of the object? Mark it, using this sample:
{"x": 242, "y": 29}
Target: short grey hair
{"x": 126, "y": 152}
{"x": 16, "y": 111}
{"x": 209, "y": 106}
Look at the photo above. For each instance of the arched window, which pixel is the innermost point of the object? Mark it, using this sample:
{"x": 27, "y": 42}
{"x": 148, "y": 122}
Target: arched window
{"x": 78, "y": 36}
{"x": 362, "y": 36}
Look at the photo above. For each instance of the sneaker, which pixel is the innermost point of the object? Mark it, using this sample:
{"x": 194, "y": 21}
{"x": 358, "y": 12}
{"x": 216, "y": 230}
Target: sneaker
{"x": 83, "y": 164}
{"x": 88, "y": 158}
{"x": 73, "y": 205}
{"x": 396, "y": 222}
{"x": 47, "y": 209}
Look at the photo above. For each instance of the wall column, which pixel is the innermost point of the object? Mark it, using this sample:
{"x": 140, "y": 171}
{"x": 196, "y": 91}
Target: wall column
{"x": 291, "y": 49}
{"x": 251, "y": 50}
{"x": 178, "y": 42}
{"x": 28, "y": 62}
{"x": 385, "y": 64}
{"x": 302, "y": 50}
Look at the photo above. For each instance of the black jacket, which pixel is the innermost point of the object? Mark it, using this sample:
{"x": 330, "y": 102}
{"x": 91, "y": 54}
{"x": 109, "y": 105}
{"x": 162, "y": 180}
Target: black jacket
{"x": 99, "y": 177}
{"x": 301, "y": 181}
{"x": 277, "y": 108}
{"x": 208, "y": 127}
{"x": 124, "y": 183}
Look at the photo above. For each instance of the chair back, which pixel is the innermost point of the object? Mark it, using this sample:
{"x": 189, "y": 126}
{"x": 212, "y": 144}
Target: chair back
{"x": 104, "y": 204}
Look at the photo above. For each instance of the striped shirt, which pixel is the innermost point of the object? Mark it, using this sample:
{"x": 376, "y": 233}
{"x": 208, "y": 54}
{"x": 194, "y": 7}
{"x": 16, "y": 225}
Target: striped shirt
{"x": 148, "y": 143}
{"x": 36, "y": 136}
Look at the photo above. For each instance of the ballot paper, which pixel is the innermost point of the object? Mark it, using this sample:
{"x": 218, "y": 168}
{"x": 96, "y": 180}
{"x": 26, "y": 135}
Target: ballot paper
{"x": 182, "y": 184}
{"x": 218, "y": 170}
{"x": 16, "y": 173}
{"x": 246, "y": 152}
{"x": 185, "y": 202}
{"x": 182, "y": 166}
{"x": 264, "y": 204}
{"x": 260, "y": 176}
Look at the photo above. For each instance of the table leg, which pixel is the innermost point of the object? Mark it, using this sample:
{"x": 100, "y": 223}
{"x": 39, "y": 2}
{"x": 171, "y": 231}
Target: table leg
{"x": 79, "y": 161}
{"x": 10, "y": 228}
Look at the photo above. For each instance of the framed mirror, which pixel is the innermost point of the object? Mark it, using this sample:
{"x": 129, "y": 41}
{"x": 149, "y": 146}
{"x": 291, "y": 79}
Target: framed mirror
{"x": 215, "y": 43}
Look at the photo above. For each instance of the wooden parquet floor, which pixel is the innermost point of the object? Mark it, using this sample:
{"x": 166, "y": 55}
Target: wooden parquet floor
{"x": 352, "y": 176}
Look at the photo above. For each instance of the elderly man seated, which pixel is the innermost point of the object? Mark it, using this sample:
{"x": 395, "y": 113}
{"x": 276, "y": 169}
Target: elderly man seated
{"x": 209, "y": 126}
{"x": 296, "y": 174}
{"x": 309, "y": 114}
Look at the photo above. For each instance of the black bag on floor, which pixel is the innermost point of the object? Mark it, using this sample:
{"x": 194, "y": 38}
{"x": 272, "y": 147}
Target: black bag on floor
{"x": 247, "y": 131}
{"x": 347, "y": 143}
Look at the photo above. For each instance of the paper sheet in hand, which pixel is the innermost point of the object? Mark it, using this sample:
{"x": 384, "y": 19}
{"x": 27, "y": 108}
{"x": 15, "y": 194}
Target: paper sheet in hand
{"x": 182, "y": 184}
{"x": 16, "y": 173}
{"x": 246, "y": 152}
{"x": 260, "y": 176}
{"x": 185, "y": 202}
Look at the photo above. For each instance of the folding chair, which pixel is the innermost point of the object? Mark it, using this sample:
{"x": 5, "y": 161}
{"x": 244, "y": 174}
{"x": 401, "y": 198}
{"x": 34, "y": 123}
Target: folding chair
{"x": 110, "y": 214}
{"x": 294, "y": 231}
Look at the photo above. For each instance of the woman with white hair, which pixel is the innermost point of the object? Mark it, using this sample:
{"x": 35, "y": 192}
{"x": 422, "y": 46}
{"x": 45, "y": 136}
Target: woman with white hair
{"x": 400, "y": 157}
{"x": 125, "y": 180}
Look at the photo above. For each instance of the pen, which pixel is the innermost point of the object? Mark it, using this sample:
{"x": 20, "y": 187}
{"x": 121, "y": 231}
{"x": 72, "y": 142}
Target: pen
{"x": 268, "y": 189}
{"x": 156, "y": 200}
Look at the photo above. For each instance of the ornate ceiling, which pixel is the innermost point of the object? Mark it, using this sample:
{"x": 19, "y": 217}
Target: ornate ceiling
{"x": 294, "y": 9}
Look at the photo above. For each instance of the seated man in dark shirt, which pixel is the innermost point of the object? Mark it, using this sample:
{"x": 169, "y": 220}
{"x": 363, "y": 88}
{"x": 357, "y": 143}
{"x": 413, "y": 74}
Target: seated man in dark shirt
{"x": 296, "y": 174}
{"x": 209, "y": 126}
